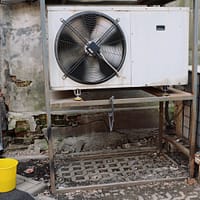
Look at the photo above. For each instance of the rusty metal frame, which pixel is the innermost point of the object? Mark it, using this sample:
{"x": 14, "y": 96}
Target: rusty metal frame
{"x": 174, "y": 95}
{"x": 47, "y": 93}
{"x": 193, "y": 118}
{"x": 87, "y": 156}
{"x": 117, "y": 184}
{"x": 177, "y": 96}
{"x": 121, "y": 184}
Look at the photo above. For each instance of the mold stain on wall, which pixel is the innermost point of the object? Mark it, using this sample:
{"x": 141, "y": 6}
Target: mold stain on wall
{"x": 21, "y": 70}
{"x": 25, "y": 59}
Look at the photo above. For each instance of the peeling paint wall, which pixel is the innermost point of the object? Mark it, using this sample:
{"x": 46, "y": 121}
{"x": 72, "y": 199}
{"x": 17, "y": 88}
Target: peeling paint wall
{"x": 21, "y": 71}
{"x": 25, "y": 64}
{"x": 4, "y": 52}
{"x": 22, "y": 59}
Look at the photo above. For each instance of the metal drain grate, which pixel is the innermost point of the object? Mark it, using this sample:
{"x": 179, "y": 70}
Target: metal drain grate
{"x": 147, "y": 166}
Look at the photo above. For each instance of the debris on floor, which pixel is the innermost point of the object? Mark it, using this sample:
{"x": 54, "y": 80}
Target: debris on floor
{"x": 106, "y": 158}
{"x": 36, "y": 169}
{"x": 116, "y": 168}
{"x": 173, "y": 190}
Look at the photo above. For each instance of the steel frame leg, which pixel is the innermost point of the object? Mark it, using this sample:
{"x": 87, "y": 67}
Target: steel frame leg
{"x": 51, "y": 160}
{"x": 161, "y": 123}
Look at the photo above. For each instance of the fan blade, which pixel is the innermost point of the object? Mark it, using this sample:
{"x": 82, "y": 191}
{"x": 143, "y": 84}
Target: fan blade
{"x": 79, "y": 25}
{"x": 93, "y": 71}
{"x": 101, "y": 26}
{"x": 75, "y": 65}
{"x": 67, "y": 53}
{"x": 105, "y": 68}
{"x": 69, "y": 43}
{"x": 90, "y": 47}
{"x": 89, "y": 71}
{"x": 113, "y": 54}
{"x": 109, "y": 64}
{"x": 67, "y": 34}
{"x": 111, "y": 38}
{"x": 75, "y": 30}
{"x": 89, "y": 20}
{"x": 107, "y": 34}
{"x": 79, "y": 71}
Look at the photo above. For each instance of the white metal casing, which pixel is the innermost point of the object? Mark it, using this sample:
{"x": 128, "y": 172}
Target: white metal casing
{"x": 157, "y": 46}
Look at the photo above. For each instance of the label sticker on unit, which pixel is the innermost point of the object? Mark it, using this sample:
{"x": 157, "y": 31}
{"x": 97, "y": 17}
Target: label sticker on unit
{"x": 160, "y": 27}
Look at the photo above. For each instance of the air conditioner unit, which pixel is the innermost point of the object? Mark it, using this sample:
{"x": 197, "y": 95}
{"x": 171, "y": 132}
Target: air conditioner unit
{"x": 114, "y": 47}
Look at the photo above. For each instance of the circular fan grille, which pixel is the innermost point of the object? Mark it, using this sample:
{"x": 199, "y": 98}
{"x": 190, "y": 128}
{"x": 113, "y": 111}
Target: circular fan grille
{"x": 90, "y": 47}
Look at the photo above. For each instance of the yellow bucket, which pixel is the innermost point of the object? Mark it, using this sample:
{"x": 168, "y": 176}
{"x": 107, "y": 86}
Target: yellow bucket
{"x": 8, "y": 172}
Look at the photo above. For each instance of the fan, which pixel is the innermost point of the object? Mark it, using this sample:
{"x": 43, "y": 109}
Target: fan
{"x": 90, "y": 47}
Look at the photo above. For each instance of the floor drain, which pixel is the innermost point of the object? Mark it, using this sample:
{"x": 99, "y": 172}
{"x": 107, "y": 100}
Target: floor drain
{"x": 118, "y": 168}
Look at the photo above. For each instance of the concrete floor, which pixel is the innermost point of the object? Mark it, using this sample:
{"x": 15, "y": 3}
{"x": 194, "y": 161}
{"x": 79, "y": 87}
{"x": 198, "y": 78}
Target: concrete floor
{"x": 175, "y": 190}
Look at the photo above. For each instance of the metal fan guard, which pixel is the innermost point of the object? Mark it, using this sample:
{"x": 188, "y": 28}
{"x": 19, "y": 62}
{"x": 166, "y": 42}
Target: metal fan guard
{"x": 118, "y": 29}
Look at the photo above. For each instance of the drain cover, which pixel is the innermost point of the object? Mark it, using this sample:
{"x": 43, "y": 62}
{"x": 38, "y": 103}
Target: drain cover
{"x": 147, "y": 166}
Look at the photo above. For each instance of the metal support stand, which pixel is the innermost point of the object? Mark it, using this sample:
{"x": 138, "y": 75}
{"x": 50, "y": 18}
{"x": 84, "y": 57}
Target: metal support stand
{"x": 161, "y": 121}
{"x": 77, "y": 93}
{"x": 165, "y": 90}
{"x": 193, "y": 119}
{"x": 51, "y": 160}
{"x": 111, "y": 117}
{"x": 174, "y": 95}
{"x": 47, "y": 94}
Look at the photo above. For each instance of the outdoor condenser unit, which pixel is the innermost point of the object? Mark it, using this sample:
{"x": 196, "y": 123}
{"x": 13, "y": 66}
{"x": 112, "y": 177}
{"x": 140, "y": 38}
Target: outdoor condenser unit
{"x": 114, "y": 47}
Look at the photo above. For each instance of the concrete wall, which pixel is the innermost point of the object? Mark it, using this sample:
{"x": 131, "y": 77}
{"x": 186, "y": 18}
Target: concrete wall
{"x": 21, "y": 71}
{"x": 26, "y": 59}
{"x": 26, "y": 82}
